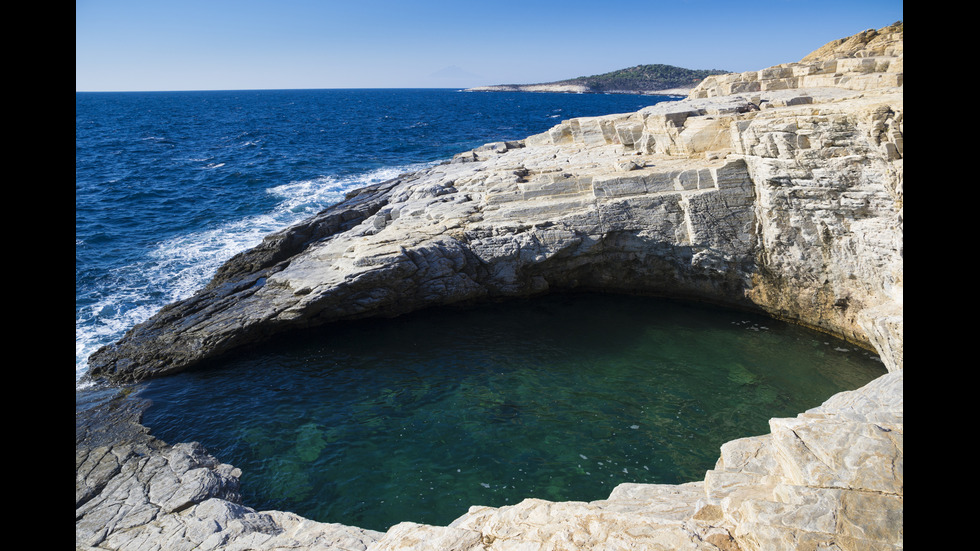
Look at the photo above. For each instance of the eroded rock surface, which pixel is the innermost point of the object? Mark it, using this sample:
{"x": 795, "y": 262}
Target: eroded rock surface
{"x": 779, "y": 189}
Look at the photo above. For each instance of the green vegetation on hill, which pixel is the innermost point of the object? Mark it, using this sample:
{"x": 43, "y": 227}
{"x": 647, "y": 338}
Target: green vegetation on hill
{"x": 644, "y": 78}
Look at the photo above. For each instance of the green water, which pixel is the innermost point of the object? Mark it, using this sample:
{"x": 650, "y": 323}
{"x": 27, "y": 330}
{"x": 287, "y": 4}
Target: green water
{"x": 560, "y": 398}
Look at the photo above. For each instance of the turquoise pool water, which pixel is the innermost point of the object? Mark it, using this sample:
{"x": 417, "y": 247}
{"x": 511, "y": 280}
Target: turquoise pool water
{"x": 560, "y": 398}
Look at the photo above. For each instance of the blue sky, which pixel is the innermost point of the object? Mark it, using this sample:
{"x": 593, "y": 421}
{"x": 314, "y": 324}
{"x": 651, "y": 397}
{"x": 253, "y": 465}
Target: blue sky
{"x": 261, "y": 44}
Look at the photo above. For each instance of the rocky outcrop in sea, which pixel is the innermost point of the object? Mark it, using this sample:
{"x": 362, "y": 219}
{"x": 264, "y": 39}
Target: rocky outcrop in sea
{"x": 570, "y": 88}
{"x": 779, "y": 190}
{"x": 654, "y": 79}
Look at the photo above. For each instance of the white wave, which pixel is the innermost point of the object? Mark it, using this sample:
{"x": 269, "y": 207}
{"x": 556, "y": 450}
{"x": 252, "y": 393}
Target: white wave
{"x": 308, "y": 197}
{"x": 100, "y": 329}
{"x": 179, "y": 266}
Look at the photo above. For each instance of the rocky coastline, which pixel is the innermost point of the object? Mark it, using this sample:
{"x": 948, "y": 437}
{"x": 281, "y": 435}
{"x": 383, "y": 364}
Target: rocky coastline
{"x": 779, "y": 190}
{"x": 653, "y": 79}
{"x": 575, "y": 89}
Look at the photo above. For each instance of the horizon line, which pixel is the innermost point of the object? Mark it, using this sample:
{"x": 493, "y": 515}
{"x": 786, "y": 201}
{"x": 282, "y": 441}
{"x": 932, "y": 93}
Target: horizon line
{"x": 280, "y": 89}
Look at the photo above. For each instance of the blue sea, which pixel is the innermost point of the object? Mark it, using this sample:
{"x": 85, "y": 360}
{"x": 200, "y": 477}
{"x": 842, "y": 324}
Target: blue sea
{"x": 168, "y": 185}
{"x": 416, "y": 418}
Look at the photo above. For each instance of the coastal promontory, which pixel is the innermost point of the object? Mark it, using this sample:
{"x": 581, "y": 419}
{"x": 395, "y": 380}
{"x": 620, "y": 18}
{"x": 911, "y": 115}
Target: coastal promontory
{"x": 654, "y": 79}
{"x": 779, "y": 190}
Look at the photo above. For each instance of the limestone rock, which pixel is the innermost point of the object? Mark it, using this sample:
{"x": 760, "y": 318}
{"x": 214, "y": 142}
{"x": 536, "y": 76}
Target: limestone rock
{"x": 869, "y": 60}
{"x": 136, "y": 489}
{"x": 137, "y": 497}
{"x": 884, "y": 42}
{"x": 832, "y": 476}
{"x": 559, "y": 88}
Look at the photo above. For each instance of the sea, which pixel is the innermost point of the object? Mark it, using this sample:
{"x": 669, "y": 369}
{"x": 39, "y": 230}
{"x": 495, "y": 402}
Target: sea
{"x": 419, "y": 417}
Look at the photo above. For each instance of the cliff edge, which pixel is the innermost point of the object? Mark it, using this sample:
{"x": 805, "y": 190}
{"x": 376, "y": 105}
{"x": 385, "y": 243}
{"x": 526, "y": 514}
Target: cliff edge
{"x": 779, "y": 190}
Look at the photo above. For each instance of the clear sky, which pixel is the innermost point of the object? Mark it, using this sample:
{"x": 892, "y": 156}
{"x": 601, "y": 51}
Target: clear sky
{"x": 262, "y": 44}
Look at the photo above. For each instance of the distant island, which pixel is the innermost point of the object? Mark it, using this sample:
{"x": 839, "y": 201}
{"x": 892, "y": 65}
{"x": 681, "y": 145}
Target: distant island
{"x": 642, "y": 79}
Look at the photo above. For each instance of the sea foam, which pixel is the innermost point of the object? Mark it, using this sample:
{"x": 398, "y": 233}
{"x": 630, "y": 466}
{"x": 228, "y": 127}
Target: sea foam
{"x": 177, "y": 267}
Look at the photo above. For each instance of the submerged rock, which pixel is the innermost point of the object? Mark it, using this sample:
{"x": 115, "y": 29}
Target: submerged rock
{"x": 779, "y": 190}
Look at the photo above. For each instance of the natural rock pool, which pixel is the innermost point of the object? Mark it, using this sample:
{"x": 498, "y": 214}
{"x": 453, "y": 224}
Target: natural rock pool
{"x": 560, "y": 398}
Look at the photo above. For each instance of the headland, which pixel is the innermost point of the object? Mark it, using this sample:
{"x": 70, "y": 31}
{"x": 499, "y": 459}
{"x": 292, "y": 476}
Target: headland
{"x": 655, "y": 79}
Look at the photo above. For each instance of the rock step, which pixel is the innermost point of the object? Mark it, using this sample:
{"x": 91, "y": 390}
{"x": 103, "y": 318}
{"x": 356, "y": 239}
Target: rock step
{"x": 636, "y": 516}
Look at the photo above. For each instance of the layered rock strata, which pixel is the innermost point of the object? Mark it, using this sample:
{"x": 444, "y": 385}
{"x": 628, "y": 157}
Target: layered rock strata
{"x": 779, "y": 190}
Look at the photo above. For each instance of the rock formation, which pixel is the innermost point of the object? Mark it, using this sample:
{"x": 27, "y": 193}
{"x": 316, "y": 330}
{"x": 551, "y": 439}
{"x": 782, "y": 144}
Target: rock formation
{"x": 572, "y": 88}
{"x": 779, "y": 190}
{"x": 554, "y": 88}
{"x": 654, "y": 79}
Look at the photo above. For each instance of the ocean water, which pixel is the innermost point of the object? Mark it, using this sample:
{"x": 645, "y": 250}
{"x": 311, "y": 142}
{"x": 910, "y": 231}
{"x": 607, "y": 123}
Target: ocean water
{"x": 560, "y": 398}
{"x": 419, "y": 417}
{"x": 168, "y": 185}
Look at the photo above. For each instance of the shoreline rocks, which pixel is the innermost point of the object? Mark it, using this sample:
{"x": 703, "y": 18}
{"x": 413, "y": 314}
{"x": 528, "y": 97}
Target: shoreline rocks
{"x": 575, "y": 89}
{"x": 779, "y": 190}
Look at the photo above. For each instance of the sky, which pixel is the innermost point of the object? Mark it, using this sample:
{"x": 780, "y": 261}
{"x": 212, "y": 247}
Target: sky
{"x": 138, "y": 45}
